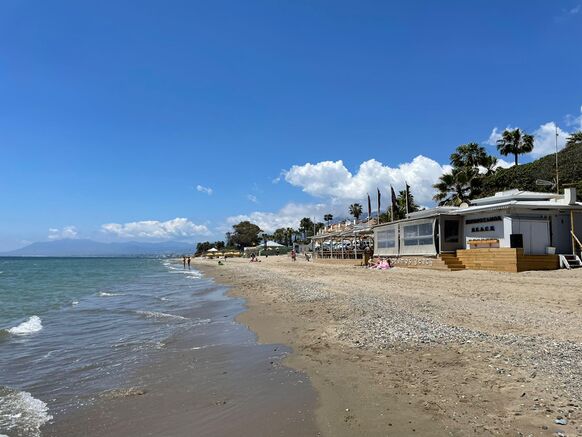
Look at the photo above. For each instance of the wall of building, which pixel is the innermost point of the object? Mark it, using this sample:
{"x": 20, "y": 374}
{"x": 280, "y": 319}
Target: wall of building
{"x": 561, "y": 240}
{"x": 487, "y": 226}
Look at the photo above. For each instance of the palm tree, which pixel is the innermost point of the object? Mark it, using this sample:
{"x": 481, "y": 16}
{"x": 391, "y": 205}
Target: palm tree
{"x": 458, "y": 186}
{"x": 328, "y": 218}
{"x": 515, "y": 142}
{"x": 356, "y": 210}
{"x": 489, "y": 164}
{"x": 469, "y": 155}
{"x": 574, "y": 138}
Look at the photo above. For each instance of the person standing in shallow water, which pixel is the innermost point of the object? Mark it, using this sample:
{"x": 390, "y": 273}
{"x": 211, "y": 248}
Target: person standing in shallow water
{"x": 184, "y": 261}
{"x": 188, "y": 263}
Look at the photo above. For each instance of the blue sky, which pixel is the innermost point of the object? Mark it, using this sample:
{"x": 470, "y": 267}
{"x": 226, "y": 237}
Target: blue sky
{"x": 112, "y": 113}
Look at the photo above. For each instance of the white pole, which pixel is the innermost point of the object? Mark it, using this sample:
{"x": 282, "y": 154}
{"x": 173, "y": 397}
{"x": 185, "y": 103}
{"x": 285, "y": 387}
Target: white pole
{"x": 557, "y": 175}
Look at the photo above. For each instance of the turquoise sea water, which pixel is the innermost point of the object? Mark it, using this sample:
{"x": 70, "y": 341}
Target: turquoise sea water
{"x": 71, "y": 328}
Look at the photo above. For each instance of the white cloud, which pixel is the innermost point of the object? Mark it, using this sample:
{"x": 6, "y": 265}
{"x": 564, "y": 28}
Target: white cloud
{"x": 154, "y": 229}
{"x": 252, "y": 198}
{"x": 575, "y": 122}
{"x": 545, "y": 139}
{"x": 287, "y": 217}
{"x": 576, "y": 9}
{"x": 333, "y": 179}
{"x": 502, "y": 163}
{"x": 68, "y": 232}
{"x": 495, "y": 136}
{"x": 206, "y": 190}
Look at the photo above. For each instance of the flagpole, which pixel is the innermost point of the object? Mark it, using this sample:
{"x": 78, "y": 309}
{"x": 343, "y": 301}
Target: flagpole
{"x": 378, "y": 189}
{"x": 406, "y": 195}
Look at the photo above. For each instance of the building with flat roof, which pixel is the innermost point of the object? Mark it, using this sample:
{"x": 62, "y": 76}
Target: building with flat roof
{"x": 512, "y": 230}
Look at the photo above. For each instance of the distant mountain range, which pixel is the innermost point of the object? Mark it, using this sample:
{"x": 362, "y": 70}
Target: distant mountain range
{"x": 80, "y": 247}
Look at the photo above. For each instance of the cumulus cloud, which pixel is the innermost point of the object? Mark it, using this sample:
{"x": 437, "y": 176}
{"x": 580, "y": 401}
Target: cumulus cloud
{"x": 68, "y": 232}
{"x": 545, "y": 139}
{"x": 287, "y": 217}
{"x": 333, "y": 179}
{"x": 203, "y": 189}
{"x": 154, "y": 229}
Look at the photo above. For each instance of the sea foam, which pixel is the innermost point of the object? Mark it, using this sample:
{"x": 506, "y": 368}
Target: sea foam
{"x": 33, "y": 324}
{"x": 21, "y": 412}
{"x": 106, "y": 294}
{"x": 158, "y": 315}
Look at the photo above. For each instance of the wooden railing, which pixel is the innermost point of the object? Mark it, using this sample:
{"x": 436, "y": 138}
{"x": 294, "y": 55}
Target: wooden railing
{"x": 576, "y": 239}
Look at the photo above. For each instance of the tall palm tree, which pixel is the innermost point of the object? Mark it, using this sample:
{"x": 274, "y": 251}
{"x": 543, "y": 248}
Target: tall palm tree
{"x": 515, "y": 142}
{"x": 469, "y": 155}
{"x": 356, "y": 210}
{"x": 574, "y": 138}
{"x": 458, "y": 186}
{"x": 328, "y": 218}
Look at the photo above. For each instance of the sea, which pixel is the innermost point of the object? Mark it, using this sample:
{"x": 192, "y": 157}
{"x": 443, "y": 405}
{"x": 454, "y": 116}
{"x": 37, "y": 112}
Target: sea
{"x": 72, "y": 329}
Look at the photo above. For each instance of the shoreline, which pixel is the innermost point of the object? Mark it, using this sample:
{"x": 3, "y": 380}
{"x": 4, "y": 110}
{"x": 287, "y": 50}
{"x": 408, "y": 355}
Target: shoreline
{"x": 408, "y": 351}
{"x": 209, "y": 380}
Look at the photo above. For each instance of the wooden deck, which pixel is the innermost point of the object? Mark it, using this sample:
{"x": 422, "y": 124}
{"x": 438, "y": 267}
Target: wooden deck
{"x": 506, "y": 260}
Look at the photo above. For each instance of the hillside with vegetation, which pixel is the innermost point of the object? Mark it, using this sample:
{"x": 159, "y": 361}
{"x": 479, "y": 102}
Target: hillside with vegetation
{"x": 524, "y": 176}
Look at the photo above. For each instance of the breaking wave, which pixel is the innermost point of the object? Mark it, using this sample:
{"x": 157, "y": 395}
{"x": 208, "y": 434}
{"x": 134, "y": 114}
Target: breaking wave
{"x": 21, "y": 414}
{"x": 33, "y": 324}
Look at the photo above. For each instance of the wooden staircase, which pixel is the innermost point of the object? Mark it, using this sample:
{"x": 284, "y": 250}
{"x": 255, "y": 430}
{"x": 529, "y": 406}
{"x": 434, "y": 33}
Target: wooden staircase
{"x": 570, "y": 262}
{"x": 451, "y": 261}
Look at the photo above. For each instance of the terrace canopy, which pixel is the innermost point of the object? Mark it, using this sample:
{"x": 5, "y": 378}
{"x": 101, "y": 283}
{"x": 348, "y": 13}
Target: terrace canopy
{"x": 344, "y": 240}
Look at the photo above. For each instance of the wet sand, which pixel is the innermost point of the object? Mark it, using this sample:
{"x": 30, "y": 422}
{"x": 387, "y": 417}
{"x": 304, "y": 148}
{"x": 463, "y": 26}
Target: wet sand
{"x": 407, "y": 352}
{"x": 212, "y": 381}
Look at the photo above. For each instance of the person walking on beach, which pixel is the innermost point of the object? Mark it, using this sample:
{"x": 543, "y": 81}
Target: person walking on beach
{"x": 367, "y": 255}
{"x": 294, "y": 255}
{"x": 188, "y": 263}
{"x": 184, "y": 261}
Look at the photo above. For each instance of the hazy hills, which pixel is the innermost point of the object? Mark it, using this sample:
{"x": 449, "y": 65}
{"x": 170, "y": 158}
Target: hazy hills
{"x": 79, "y": 247}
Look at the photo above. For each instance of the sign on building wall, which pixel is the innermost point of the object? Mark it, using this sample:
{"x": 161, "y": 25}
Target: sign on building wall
{"x": 478, "y": 225}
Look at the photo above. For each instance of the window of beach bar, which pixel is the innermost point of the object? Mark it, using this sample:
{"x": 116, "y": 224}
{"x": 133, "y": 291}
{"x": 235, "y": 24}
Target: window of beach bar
{"x": 387, "y": 240}
{"x": 417, "y": 238}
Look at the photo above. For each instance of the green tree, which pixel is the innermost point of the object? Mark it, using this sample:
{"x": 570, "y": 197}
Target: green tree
{"x": 401, "y": 202}
{"x": 203, "y": 247}
{"x": 245, "y": 234}
{"x": 306, "y": 227}
{"x": 328, "y": 218}
{"x": 289, "y": 232}
{"x": 355, "y": 210}
{"x": 515, "y": 142}
{"x": 219, "y": 245}
{"x": 458, "y": 186}
{"x": 574, "y": 138}
{"x": 469, "y": 155}
{"x": 280, "y": 236}
{"x": 489, "y": 163}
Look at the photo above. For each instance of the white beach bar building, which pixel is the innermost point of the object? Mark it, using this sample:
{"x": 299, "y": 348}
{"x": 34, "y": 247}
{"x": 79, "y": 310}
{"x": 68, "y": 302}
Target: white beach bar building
{"x": 510, "y": 231}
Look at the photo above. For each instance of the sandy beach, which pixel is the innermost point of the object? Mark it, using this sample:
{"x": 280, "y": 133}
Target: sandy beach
{"x": 404, "y": 351}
